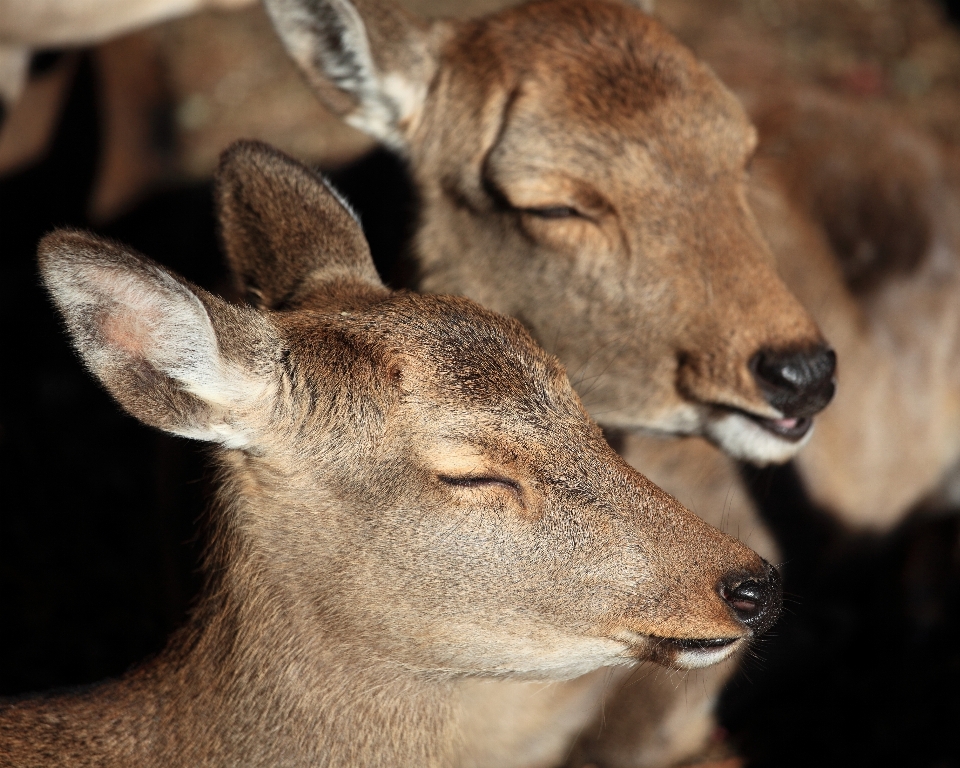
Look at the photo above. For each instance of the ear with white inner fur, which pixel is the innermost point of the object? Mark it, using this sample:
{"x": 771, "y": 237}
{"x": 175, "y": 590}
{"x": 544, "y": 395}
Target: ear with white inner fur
{"x": 370, "y": 61}
{"x": 172, "y": 355}
{"x": 284, "y": 231}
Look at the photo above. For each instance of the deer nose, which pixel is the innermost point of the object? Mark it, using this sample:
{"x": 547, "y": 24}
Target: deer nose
{"x": 796, "y": 383}
{"x": 755, "y": 600}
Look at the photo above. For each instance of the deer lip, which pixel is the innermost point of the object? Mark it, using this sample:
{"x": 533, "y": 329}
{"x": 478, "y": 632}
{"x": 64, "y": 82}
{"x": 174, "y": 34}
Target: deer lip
{"x": 793, "y": 429}
{"x": 710, "y": 644}
{"x": 694, "y": 653}
{"x": 680, "y": 652}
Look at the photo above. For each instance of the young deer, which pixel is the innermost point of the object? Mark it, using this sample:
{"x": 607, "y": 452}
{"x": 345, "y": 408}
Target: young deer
{"x": 411, "y": 494}
{"x": 861, "y": 213}
{"x": 579, "y": 169}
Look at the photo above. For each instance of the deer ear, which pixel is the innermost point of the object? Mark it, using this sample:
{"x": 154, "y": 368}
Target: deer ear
{"x": 285, "y": 232}
{"x": 370, "y": 61}
{"x": 173, "y": 356}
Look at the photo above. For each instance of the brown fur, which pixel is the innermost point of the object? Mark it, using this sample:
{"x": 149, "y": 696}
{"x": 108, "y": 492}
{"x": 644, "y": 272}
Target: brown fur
{"x": 617, "y": 716}
{"x": 863, "y": 213}
{"x": 658, "y": 290}
{"x": 411, "y": 493}
{"x": 656, "y": 297}
{"x": 528, "y": 110}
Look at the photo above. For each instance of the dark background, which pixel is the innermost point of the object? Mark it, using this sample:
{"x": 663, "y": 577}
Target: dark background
{"x": 101, "y": 518}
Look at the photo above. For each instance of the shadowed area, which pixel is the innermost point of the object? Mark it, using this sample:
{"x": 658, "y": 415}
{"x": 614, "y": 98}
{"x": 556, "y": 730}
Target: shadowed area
{"x": 97, "y": 532}
{"x": 863, "y": 666}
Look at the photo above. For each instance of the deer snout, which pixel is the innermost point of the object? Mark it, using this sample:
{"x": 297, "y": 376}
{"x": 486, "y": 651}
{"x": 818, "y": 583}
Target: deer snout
{"x": 798, "y": 383}
{"x": 755, "y": 600}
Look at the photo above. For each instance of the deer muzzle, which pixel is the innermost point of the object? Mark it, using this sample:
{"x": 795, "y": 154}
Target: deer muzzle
{"x": 754, "y": 601}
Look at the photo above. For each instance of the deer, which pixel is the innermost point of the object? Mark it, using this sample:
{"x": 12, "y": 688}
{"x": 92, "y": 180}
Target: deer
{"x": 502, "y": 121}
{"x": 579, "y": 169}
{"x": 30, "y": 25}
{"x": 410, "y": 494}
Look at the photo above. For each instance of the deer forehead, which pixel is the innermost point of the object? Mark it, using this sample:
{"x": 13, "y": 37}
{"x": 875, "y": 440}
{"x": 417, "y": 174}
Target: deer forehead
{"x": 688, "y": 133}
{"x": 538, "y": 31}
{"x": 589, "y": 114}
{"x": 442, "y": 354}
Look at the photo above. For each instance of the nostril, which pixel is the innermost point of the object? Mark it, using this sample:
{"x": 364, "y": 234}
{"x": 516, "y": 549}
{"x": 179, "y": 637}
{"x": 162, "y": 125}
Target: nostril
{"x": 798, "y": 383}
{"x": 755, "y": 600}
{"x": 745, "y": 598}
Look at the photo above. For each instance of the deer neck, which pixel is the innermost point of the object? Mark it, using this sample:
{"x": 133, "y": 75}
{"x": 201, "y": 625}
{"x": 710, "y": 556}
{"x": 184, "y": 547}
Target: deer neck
{"x": 288, "y": 690}
{"x": 251, "y": 680}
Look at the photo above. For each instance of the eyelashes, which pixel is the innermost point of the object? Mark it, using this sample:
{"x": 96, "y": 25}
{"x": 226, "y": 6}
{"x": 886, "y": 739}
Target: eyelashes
{"x": 480, "y": 481}
{"x": 541, "y": 212}
{"x": 553, "y": 212}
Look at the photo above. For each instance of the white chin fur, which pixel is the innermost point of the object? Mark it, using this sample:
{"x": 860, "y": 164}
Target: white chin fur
{"x": 697, "y": 659}
{"x": 550, "y": 661}
{"x": 743, "y": 438}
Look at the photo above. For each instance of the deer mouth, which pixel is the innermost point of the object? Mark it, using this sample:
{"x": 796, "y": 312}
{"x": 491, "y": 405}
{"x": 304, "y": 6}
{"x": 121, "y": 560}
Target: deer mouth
{"x": 683, "y": 652}
{"x": 694, "y": 653}
{"x": 680, "y": 652}
{"x": 755, "y": 438}
{"x": 703, "y": 645}
{"x": 793, "y": 430}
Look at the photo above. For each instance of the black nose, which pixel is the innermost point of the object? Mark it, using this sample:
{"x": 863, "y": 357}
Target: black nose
{"x": 755, "y": 600}
{"x": 796, "y": 383}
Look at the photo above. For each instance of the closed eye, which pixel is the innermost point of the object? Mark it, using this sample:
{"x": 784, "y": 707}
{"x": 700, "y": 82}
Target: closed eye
{"x": 540, "y": 211}
{"x": 553, "y": 212}
{"x": 479, "y": 481}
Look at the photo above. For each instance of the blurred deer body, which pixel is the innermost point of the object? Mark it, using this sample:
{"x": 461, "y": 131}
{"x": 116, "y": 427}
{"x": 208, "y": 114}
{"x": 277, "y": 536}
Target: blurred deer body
{"x": 405, "y": 481}
{"x": 863, "y": 214}
{"x": 29, "y": 25}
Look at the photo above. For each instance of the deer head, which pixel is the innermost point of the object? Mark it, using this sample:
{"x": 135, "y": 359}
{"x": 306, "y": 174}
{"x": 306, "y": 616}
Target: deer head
{"x": 413, "y": 474}
{"x": 579, "y": 169}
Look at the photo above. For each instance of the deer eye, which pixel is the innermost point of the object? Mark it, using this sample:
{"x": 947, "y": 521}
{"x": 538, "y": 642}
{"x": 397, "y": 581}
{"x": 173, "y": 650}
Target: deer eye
{"x": 553, "y": 212}
{"x": 479, "y": 481}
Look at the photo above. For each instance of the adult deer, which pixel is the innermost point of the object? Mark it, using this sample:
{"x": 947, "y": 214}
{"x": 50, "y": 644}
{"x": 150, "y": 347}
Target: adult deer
{"x": 579, "y": 169}
{"x": 406, "y": 483}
